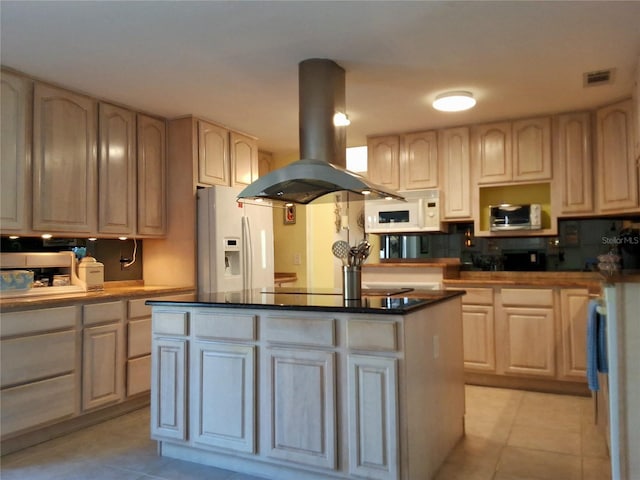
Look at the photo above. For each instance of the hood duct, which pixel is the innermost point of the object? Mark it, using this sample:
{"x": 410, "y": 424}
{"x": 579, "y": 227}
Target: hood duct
{"x": 322, "y": 145}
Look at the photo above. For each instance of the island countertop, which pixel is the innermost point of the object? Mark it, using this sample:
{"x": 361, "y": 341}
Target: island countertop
{"x": 320, "y": 300}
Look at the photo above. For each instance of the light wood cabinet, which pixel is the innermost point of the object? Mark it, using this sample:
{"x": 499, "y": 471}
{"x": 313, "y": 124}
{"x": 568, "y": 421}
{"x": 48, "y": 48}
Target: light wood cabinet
{"x": 39, "y": 386}
{"x": 573, "y": 178}
{"x": 616, "y": 168}
{"x": 419, "y": 161}
{"x": 224, "y": 409}
{"x": 518, "y": 151}
{"x": 64, "y": 161}
{"x": 491, "y": 152}
{"x": 152, "y": 176}
{"x": 453, "y": 156}
{"x": 102, "y": 355}
{"x": 15, "y": 156}
{"x": 301, "y": 418}
{"x": 532, "y": 149}
{"x": 265, "y": 163}
{"x": 383, "y": 161}
{"x": 372, "y": 384}
{"x": 479, "y": 337}
{"x": 244, "y": 159}
{"x": 117, "y": 170}
{"x": 138, "y": 368}
{"x": 213, "y": 154}
{"x": 168, "y": 389}
{"x": 574, "y": 303}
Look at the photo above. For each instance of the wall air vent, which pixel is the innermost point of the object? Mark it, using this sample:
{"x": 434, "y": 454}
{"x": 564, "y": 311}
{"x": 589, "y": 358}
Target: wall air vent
{"x": 598, "y": 77}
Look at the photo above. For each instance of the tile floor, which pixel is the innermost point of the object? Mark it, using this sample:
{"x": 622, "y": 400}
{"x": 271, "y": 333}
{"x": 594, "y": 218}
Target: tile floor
{"x": 511, "y": 435}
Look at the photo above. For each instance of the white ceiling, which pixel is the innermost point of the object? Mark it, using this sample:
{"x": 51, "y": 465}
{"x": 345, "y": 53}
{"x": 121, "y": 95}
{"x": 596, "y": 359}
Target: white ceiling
{"x": 237, "y": 62}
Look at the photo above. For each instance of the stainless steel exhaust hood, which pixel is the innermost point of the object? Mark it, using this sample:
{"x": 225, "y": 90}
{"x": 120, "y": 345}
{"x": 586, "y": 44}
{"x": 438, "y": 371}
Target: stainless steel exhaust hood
{"x": 322, "y": 145}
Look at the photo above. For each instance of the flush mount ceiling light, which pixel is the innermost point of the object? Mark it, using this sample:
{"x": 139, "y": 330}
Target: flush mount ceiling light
{"x": 341, "y": 120}
{"x": 454, "y": 101}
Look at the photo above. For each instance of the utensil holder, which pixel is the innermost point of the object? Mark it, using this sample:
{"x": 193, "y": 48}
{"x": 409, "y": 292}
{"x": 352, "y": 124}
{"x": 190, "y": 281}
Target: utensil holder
{"x": 352, "y": 282}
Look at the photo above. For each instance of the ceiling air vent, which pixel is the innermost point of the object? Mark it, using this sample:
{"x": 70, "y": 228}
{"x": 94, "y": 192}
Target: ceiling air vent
{"x": 598, "y": 77}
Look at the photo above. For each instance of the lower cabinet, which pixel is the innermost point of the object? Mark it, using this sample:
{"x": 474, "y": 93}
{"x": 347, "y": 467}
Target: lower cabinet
{"x": 373, "y": 433}
{"x": 223, "y": 411}
{"x": 524, "y": 333}
{"x": 168, "y": 389}
{"x": 102, "y": 354}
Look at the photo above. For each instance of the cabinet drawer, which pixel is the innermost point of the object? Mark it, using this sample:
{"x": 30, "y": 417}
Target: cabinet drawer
{"x": 138, "y": 375}
{"x": 34, "y": 321}
{"x": 478, "y": 296}
{"x": 370, "y": 335}
{"x": 170, "y": 323}
{"x": 535, "y": 297}
{"x": 139, "y": 341}
{"x": 36, "y": 403}
{"x": 138, "y": 309}
{"x": 300, "y": 331}
{"x": 102, "y": 313}
{"x": 39, "y": 356}
{"x": 224, "y": 326}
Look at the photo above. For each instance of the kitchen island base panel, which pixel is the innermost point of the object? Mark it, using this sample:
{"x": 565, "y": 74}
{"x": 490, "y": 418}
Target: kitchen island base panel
{"x": 369, "y": 406}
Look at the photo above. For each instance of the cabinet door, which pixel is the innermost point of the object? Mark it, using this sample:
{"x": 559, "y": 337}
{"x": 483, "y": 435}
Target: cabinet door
{"x": 152, "y": 173}
{"x": 532, "y": 149}
{"x": 383, "y": 161}
{"x": 522, "y": 356}
{"x": 492, "y": 152}
{"x": 372, "y": 416}
{"x": 102, "y": 365}
{"x": 617, "y": 172}
{"x": 213, "y": 154}
{"x": 15, "y": 157}
{"x": 300, "y": 412}
{"x": 64, "y": 161}
{"x": 574, "y": 177}
{"x": 419, "y": 161}
{"x": 478, "y": 336}
{"x": 244, "y": 159}
{"x": 224, "y": 406}
{"x": 573, "y": 319}
{"x": 265, "y": 162}
{"x": 168, "y": 389}
{"x": 117, "y": 170}
{"x": 453, "y": 149}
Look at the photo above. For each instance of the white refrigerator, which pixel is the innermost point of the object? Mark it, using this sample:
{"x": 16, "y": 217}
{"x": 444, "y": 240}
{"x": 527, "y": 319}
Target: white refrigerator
{"x": 235, "y": 242}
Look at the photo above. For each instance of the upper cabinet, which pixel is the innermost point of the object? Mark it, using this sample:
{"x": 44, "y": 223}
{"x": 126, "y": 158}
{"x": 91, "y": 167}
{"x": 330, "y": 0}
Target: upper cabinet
{"x": 518, "y": 151}
{"x": 244, "y": 159}
{"x": 64, "y": 161}
{"x": 213, "y": 154}
{"x": 265, "y": 162}
{"x": 383, "y": 161}
{"x": 573, "y": 178}
{"x": 152, "y": 176}
{"x": 419, "y": 161}
{"x": 453, "y": 155}
{"x": 116, "y": 170}
{"x": 407, "y": 162}
{"x": 616, "y": 169}
{"x": 15, "y": 157}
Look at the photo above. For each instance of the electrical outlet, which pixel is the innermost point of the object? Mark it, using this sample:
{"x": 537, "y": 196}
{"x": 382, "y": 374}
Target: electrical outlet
{"x": 297, "y": 259}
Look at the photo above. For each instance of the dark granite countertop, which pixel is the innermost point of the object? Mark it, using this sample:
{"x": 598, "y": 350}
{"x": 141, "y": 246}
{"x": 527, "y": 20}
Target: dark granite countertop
{"x": 320, "y": 300}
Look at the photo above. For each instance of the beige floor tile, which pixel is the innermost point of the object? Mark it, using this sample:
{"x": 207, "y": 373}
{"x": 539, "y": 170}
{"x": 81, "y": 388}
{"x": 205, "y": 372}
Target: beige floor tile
{"x": 478, "y": 451}
{"x": 453, "y": 471}
{"x": 545, "y": 438}
{"x": 596, "y": 468}
{"x": 489, "y": 429}
{"x": 539, "y": 465}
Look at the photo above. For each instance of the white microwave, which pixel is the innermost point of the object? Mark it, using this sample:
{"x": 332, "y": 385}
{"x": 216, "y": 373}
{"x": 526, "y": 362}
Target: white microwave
{"x": 419, "y": 213}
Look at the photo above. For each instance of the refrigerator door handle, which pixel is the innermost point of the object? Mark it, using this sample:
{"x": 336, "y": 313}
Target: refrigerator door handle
{"x": 247, "y": 254}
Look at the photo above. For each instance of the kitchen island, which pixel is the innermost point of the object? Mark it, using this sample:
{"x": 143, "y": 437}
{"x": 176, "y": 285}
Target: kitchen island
{"x": 292, "y": 385}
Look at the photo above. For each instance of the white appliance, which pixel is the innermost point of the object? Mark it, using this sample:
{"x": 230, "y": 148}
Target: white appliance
{"x": 235, "y": 242}
{"x": 419, "y": 213}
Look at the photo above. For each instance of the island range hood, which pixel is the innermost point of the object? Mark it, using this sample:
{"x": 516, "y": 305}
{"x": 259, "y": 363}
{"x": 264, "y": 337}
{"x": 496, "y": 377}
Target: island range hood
{"x": 322, "y": 145}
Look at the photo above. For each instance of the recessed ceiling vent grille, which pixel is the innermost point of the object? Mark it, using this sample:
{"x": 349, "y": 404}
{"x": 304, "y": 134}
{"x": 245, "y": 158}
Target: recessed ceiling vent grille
{"x": 598, "y": 77}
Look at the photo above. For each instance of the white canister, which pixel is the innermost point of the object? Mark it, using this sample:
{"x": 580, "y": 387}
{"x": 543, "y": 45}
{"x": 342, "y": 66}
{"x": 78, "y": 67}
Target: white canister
{"x": 91, "y": 273}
